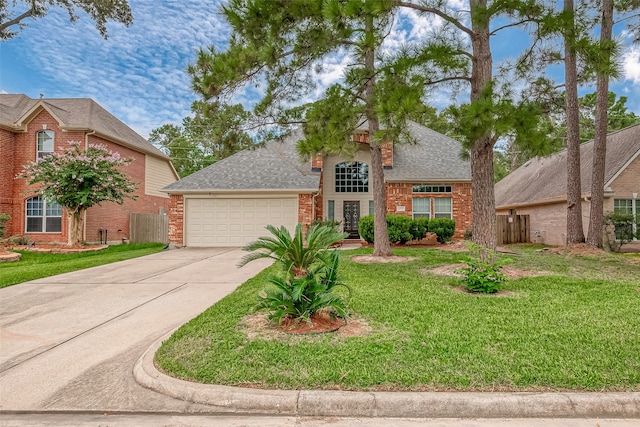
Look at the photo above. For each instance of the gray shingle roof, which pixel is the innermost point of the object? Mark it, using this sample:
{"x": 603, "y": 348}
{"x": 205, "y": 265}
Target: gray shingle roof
{"x": 435, "y": 157}
{"x": 277, "y": 166}
{"x": 75, "y": 113}
{"x": 545, "y": 179}
{"x": 274, "y": 166}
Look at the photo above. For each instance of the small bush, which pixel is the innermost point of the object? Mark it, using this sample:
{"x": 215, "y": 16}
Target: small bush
{"x": 18, "y": 240}
{"x": 482, "y": 273}
{"x": 365, "y": 228}
{"x": 3, "y": 218}
{"x": 399, "y": 228}
{"x": 327, "y": 223}
{"x": 619, "y": 230}
{"x": 419, "y": 228}
{"x": 443, "y": 228}
{"x": 468, "y": 233}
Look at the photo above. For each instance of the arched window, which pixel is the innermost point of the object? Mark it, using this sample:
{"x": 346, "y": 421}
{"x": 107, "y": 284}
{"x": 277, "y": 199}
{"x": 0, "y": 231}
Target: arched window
{"x": 44, "y": 143}
{"x": 352, "y": 177}
{"x": 43, "y": 216}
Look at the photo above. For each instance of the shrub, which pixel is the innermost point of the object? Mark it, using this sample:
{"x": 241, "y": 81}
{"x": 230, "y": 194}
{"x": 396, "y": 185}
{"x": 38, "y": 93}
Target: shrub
{"x": 19, "y": 240}
{"x": 482, "y": 273}
{"x": 3, "y": 218}
{"x": 619, "y": 230}
{"x": 468, "y": 233}
{"x": 298, "y": 252}
{"x": 334, "y": 224}
{"x": 419, "y": 228}
{"x": 399, "y": 228}
{"x": 365, "y": 228}
{"x": 443, "y": 228}
{"x": 299, "y": 298}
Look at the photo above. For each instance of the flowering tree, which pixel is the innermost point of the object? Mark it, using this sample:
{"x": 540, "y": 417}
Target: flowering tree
{"x": 78, "y": 179}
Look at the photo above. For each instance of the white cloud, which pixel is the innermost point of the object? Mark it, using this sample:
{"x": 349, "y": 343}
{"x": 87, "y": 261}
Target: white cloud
{"x": 631, "y": 64}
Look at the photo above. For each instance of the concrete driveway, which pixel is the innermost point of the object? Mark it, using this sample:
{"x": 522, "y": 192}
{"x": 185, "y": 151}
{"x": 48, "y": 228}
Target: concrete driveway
{"x": 69, "y": 342}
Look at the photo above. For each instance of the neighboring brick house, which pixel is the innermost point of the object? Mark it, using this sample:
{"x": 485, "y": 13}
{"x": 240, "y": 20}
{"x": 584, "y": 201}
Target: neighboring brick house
{"x": 31, "y": 128}
{"x": 539, "y": 187}
{"x": 230, "y": 202}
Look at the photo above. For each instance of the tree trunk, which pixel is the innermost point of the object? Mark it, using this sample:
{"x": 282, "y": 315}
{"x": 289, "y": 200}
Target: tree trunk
{"x": 575, "y": 233}
{"x": 76, "y": 227}
{"x": 483, "y": 202}
{"x": 381, "y": 246}
{"x": 600, "y": 141}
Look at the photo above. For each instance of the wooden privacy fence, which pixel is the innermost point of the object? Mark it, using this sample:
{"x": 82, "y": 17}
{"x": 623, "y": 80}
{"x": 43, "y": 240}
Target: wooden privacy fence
{"x": 148, "y": 228}
{"x": 513, "y": 229}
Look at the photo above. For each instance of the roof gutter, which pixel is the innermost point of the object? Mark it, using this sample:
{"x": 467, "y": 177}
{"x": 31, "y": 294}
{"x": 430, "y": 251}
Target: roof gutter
{"x": 209, "y": 192}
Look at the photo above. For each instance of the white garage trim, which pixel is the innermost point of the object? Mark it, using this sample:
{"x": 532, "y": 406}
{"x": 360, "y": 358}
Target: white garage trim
{"x": 228, "y": 221}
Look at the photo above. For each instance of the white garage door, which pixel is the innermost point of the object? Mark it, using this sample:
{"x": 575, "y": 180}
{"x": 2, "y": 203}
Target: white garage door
{"x": 236, "y": 222}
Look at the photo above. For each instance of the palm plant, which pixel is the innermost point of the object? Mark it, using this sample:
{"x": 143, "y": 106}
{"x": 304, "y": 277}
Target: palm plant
{"x": 297, "y": 253}
{"x": 300, "y": 298}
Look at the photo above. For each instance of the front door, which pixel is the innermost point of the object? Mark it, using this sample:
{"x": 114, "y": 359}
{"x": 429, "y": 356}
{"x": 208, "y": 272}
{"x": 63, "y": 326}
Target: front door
{"x": 351, "y": 212}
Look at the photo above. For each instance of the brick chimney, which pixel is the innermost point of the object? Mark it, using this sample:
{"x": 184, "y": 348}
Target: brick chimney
{"x": 316, "y": 164}
{"x": 387, "y": 149}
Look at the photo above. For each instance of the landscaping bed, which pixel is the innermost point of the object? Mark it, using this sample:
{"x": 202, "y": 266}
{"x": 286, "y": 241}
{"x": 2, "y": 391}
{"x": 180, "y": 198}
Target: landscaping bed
{"x": 577, "y": 327}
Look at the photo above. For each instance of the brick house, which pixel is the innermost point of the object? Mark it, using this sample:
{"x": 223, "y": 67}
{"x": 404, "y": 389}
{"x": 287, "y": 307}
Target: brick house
{"x": 230, "y": 202}
{"x": 31, "y": 128}
{"x": 539, "y": 187}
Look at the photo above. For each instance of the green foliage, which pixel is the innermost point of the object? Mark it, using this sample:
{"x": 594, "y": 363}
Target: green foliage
{"x": 620, "y": 229}
{"x": 3, "y": 218}
{"x": 80, "y": 179}
{"x": 365, "y": 228}
{"x": 99, "y": 10}
{"x": 214, "y": 132}
{"x": 300, "y": 298}
{"x": 297, "y": 253}
{"x": 482, "y": 273}
{"x": 575, "y": 328}
{"x": 419, "y": 228}
{"x": 19, "y": 240}
{"x": 399, "y": 227}
{"x": 403, "y": 229}
{"x": 334, "y": 224}
{"x": 444, "y": 228}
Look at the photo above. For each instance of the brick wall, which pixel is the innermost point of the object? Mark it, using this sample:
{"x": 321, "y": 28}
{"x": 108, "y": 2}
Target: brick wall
{"x": 176, "y": 220}
{"x": 387, "y": 148}
{"x": 305, "y": 209}
{"x": 7, "y": 141}
{"x": 109, "y": 215}
{"x": 400, "y": 194}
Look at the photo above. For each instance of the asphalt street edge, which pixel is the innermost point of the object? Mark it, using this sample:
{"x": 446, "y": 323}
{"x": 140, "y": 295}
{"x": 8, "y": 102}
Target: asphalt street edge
{"x": 328, "y": 403}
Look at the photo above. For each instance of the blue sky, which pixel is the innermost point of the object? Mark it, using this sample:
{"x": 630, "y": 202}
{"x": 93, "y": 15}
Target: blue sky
{"x": 139, "y": 73}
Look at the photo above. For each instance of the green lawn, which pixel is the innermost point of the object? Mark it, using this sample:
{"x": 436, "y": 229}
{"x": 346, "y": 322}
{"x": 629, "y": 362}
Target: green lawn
{"x": 576, "y": 329}
{"x": 36, "y": 265}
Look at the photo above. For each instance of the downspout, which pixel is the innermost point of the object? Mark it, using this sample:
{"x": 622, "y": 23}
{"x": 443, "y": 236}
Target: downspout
{"x": 84, "y": 220}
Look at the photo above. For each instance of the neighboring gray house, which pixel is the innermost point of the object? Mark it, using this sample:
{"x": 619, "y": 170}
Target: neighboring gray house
{"x": 538, "y": 188}
{"x": 230, "y": 202}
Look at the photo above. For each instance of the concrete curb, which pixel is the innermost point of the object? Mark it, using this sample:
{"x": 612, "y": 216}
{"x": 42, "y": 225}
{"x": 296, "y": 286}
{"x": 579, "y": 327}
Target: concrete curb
{"x": 387, "y": 404}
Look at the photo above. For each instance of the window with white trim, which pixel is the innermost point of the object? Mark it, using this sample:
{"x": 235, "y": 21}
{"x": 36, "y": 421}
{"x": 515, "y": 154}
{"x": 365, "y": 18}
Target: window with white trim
{"x": 352, "y": 177}
{"x": 627, "y": 207}
{"x": 421, "y": 207}
{"x": 370, "y": 207}
{"x": 44, "y": 143}
{"x": 442, "y": 208}
{"x": 431, "y": 188}
{"x": 43, "y": 216}
{"x": 331, "y": 210}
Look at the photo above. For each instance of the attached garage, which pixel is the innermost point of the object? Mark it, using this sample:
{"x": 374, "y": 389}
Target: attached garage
{"x": 220, "y": 222}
